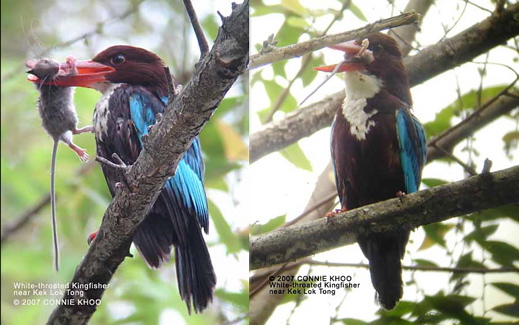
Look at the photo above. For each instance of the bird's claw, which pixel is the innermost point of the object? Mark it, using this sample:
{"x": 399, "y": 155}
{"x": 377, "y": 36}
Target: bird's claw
{"x": 91, "y": 237}
{"x": 330, "y": 215}
{"x": 401, "y": 195}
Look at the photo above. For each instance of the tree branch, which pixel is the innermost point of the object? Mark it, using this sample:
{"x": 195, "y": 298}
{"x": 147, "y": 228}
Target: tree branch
{"x": 447, "y": 140}
{"x": 167, "y": 141}
{"x": 20, "y": 222}
{"x": 485, "y": 191}
{"x": 296, "y": 50}
{"x": 465, "y": 46}
{"x": 478, "y": 270}
{"x": 404, "y": 35}
{"x": 199, "y": 32}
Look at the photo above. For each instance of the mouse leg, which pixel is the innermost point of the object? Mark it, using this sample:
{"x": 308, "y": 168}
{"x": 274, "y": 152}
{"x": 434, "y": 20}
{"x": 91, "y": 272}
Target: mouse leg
{"x": 67, "y": 138}
{"x": 88, "y": 128}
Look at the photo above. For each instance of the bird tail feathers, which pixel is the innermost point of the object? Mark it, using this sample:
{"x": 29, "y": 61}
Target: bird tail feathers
{"x": 384, "y": 252}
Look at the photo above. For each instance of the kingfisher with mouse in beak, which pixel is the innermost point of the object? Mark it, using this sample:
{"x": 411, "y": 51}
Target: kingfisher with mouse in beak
{"x": 135, "y": 89}
{"x": 378, "y": 149}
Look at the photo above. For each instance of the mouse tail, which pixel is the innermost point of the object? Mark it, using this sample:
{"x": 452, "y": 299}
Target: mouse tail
{"x": 55, "y": 247}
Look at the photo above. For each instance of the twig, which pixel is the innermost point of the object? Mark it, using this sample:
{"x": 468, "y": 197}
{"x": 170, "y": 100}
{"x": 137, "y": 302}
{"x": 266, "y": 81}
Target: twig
{"x": 171, "y": 86}
{"x": 480, "y": 270}
{"x": 471, "y": 171}
{"x": 12, "y": 227}
{"x": 199, "y": 32}
{"x": 116, "y": 167}
{"x": 19, "y": 222}
{"x": 292, "y": 51}
{"x": 265, "y": 279}
{"x": 304, "y": 62}
{"x": 311, "y": 209}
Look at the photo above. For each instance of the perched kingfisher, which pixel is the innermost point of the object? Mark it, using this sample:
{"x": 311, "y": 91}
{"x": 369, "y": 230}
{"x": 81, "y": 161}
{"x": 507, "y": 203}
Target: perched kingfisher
{"x": 135, "y": 89}
{"x": 378, "y": 149}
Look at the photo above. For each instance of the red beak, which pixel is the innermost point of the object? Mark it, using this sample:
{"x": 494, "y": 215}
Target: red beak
{"x": 355, "y": 57}
{"x": 88, "y": 73}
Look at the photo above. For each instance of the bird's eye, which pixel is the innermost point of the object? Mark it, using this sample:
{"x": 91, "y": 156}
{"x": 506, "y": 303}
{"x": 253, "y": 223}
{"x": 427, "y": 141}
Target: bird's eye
{"x": 377, "y": 48}
{"x": 118, "y": 59}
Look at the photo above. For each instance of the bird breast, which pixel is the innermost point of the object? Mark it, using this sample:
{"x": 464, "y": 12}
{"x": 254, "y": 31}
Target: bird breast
{"x": 360, "y": 87}
{"x": 102, "y": 112}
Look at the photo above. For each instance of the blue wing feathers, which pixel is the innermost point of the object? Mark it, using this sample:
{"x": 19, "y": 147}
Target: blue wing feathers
{"x": 187, "y": 185}
{"x": 411, "y": 138}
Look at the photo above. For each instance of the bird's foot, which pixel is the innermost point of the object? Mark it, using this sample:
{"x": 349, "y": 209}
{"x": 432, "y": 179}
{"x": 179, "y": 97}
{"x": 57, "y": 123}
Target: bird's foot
{"x": 91, "y": 237}
{"x": 120, "y": 168}
{"x": 145, "y": 137}
{"x": 401, "y": 195}
{"x": 118, "y": 165}
{"x": 330, "y": 215}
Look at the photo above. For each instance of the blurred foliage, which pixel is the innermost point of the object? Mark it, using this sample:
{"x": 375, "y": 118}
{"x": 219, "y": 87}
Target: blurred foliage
{"x": 136, "y": 295}
{"x": 469, "y": 242}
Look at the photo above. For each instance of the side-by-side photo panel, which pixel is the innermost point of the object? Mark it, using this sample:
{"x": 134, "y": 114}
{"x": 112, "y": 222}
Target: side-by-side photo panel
{"x": 383, "y": 157}
{"x": 124, "y": 150}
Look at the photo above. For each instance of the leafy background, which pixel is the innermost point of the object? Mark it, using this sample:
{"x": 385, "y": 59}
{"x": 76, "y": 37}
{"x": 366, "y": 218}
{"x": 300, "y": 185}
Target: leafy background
{"x": 137, "y": 295}
{"x": 287, "y": 179}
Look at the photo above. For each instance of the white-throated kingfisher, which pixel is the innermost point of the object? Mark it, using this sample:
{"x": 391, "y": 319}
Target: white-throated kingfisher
{"x": 378, "y": 149}
{"x": 135, "y": 89}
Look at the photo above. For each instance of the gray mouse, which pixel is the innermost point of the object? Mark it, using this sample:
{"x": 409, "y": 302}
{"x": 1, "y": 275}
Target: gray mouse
{"x": 59, "y": 119}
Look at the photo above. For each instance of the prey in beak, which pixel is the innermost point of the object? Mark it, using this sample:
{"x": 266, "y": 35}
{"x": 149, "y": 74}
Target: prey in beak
{"x": 356, "y": 56}
{"x": 71, "y": 73}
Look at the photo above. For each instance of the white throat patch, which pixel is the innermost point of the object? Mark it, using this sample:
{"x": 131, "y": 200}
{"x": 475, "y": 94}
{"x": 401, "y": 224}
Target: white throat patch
{"x": 102, "y": 113}
{"x": 359, "y": 87}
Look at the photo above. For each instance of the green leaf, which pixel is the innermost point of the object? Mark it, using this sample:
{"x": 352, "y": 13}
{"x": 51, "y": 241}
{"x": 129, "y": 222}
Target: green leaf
{"x": 210, "y": 26}
{"x": 298, "y": 22}
{"x": 279, "y": 69}
{"x": 357, "y": 12}
{"x": 294, "y": 6}
{"x": 432, "y": 182}
{"x": 267, "y": 10}
{"x": 288, "y": 34}
{"x": 511, "y": 140}
{"x": 480, "y": 235}
{"x": 427, "y": 263}
{"x": 509, "y": 288}
{"x": 352, "y": 321}
{"x": 502, "y": 253}
{"x": 391, "y": 321}
{"x": 507, "y": 211}
{"x": 467, "y": 101}
{"x": 401, "y": 309}
{"x": 273, "y": 90}
{"x": 272, "y": 224}
{"x": 235, "y": 147}
{"x": 466, "y": 261}
{"x": 240, "y": 299}
{"x": 255, "y": 77}
{"x": 310, "y": 74}
{"x": 296, "y": 156}
{"x": 508, "y": 309}
{"x": 227, "y": 236}
{"x": 453, "y": 306}
{"x": 435, "y": 233}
